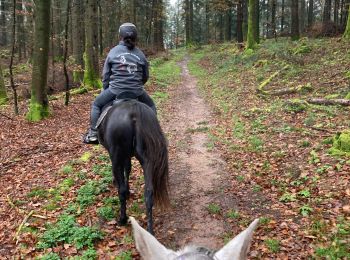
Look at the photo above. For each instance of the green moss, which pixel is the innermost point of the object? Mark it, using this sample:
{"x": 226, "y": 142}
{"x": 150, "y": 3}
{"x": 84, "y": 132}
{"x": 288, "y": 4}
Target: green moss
{"x": 295, "y": 105}
{"x": 3, "y": 100}
{"x": 37, "y": 112}
{"x": 346, "y": 34}
{"x": 78, "y": 91}
{"x": 341, "y": 144}
{"x": 248, "y": 52}
{"x": 85, "y": 157}
{"x": 78, "y": 76}
{"x": 91, "y": 78}
{"x": 347, "y": 96}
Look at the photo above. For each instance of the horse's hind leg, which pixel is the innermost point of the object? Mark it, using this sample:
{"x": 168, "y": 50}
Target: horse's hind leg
{"x": 148, "y": 197}
{"x": 119, "y": 178}
{"x": 127, "y": 170}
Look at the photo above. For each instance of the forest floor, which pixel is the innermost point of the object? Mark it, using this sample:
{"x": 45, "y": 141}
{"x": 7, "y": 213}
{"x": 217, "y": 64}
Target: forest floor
{"x": 234, "y": 156}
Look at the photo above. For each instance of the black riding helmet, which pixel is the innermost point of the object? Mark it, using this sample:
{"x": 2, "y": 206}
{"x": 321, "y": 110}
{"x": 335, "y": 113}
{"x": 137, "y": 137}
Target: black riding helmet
{"x": 128, "y": 30}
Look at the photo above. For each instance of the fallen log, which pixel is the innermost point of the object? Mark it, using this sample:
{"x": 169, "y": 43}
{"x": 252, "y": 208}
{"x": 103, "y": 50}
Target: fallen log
{"x": 329, "y": 102}
{"x": 291, "y": 90}
{"x": 263, "y": 84}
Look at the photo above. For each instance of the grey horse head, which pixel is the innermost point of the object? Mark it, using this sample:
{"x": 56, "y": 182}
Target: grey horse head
{"x": 150, "y": 249}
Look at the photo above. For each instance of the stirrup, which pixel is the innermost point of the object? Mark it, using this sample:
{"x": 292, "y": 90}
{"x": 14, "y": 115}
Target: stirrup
{"x": 90, "y": 137}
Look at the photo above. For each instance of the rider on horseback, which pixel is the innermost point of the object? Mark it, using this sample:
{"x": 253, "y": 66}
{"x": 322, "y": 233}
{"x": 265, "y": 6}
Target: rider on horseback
{"x": 125, "y": 71}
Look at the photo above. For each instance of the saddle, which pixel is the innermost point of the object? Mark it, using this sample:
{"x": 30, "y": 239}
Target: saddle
{"x": 122, "y": 97}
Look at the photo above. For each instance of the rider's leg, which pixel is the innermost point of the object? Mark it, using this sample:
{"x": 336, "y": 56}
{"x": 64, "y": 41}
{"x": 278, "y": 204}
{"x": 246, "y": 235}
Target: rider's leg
{"x": 101, "y": 100}
{"x": 145, "y": 98}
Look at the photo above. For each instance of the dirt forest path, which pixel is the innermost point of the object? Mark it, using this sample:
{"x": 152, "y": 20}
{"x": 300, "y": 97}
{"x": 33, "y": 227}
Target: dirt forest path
{"x": 195, "y": 170}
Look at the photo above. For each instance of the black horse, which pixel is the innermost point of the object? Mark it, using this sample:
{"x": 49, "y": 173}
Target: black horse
{"x": 131, "y": 128}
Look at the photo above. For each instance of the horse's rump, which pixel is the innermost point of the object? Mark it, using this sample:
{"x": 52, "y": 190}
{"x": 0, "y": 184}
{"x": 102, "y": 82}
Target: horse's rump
{"x": 131, "y": 128}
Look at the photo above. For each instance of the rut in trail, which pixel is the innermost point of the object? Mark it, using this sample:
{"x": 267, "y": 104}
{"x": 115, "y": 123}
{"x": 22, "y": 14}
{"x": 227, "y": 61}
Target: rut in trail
{"x": 195, "y": 170}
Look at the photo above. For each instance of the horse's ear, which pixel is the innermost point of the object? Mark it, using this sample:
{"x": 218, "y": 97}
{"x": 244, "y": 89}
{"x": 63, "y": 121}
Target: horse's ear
{"x": 147, "y": 245}
{"x": 238, "y": 247}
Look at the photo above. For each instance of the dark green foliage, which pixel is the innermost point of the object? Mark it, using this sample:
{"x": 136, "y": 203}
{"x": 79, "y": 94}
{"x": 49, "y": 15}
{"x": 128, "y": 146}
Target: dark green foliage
{"x": 87, "y": 193}
{"x": 49, "y": 256}
{"x": 67, "y": 231}
{"x": 339, "y": 247}
{"x": 107, "y": 213}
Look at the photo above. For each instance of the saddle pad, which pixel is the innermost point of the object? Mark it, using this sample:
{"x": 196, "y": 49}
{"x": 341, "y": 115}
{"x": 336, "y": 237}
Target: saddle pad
{"x": 102, "y": 116}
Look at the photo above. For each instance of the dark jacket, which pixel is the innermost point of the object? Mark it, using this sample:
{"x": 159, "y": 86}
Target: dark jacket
{"x": 125, "y": 70}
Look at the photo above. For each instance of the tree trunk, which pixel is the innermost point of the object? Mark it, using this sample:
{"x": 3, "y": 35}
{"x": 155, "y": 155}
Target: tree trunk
{"x": 295, "y": 35}
{"x": 79, "y": 39}
{"x": 347, "y": 29}
{"x": 302, "y": 14}
{"x": 331, "y": 102}
{"x": 282, "y": 15}
{"x": 267, "y": 29}
{"x": 228, "y": 22}
{"x": 91, "y": 62}
{"x": 3, "y": 94}
{"x": 239, "y": 29}
{"x": 191, "y": 20}
{"x": 327, "y": 11}
{"x": 251, "y": 40}
{"x": 326, "y": 21}
{"x": 29, "y": 26}
{"x": 57, "y": 28}
{"x": 336, "y": 15}
{"x": 273, "y": 18}
{"x": 100, "y": 25}
{"x": 21, "y": 35}
{"x": 188, "y": 22}
{"x": 310, "y": 16}
{"x": 221, "y": 27}
{"x": 245, "y": 19}
{"x": 207, "y": 19}
{"x": 113, "y": 23}
{"x": 13, "y": 46}
{"x": 3, "y": 22}
{"x": 257, "y": 21}
{"x": 39, "y": 107}
{"x": 158, "y": 36}
{"x": 65, "y": 54}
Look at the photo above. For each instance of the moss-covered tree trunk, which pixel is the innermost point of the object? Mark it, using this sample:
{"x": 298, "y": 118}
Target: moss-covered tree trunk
{"x": 251, "y": 41}
{"x": 79, "y": 38}
{"x": 39, "y": 107}
{"x": 3, "y": 94}
{"x": 347, "y": 30}
{"x": 91, "y": 72}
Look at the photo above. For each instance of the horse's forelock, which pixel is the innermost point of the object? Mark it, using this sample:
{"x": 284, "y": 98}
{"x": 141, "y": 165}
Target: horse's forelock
{"x": 195, "y": 253}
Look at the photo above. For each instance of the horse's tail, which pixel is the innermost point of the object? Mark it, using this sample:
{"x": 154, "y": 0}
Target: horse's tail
{"x": 150, "y": 134}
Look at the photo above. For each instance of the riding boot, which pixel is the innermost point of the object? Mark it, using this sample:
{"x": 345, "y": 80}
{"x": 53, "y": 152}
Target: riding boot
{"x": 91, "y": 137}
